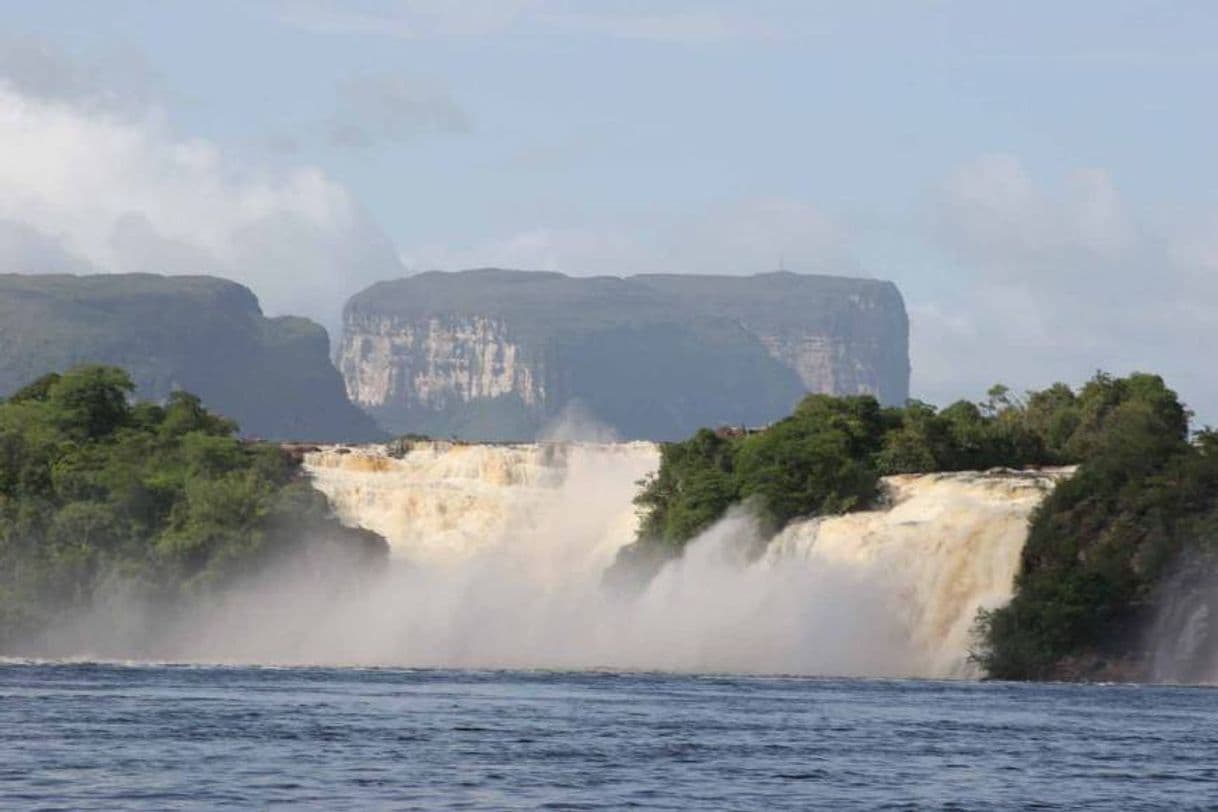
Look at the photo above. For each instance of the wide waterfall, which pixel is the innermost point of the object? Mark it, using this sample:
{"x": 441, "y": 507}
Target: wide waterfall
{"x": 501, "y": 552}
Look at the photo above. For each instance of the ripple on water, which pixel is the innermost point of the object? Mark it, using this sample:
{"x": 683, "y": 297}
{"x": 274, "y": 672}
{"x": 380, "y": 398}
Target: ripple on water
{"x": 105, "y": 735}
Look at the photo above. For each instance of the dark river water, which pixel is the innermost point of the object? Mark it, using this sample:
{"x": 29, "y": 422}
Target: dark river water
{"x": 88, "y": 736}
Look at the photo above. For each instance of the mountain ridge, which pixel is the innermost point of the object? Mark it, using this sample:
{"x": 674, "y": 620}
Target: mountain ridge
{"x": 204, "y": 334}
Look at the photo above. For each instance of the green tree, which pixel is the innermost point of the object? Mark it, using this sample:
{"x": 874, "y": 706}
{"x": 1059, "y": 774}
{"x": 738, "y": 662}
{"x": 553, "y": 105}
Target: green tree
{"x": 95, "y": 489}
{"x": 91, "y": 401}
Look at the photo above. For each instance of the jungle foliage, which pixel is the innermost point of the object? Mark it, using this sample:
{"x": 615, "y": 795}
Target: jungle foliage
{"x": 1144, "y": 493}
{"x": 163, "y": 497}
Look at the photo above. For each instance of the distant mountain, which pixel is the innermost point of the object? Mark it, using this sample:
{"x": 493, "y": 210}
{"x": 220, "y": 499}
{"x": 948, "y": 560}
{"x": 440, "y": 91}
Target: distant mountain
{"x": 497, "y": 354}
{"x": 842, "y": 336}
{"x": 202, "y": 334}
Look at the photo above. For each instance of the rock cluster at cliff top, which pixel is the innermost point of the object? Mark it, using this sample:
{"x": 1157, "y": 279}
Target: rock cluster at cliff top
{"x": 495, "y": 354}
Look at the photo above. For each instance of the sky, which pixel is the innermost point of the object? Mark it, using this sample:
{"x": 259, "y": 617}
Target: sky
{"x": 1037, "y": 177}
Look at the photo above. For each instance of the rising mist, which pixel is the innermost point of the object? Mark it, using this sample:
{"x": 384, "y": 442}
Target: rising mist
{"x": 499, "y": 555}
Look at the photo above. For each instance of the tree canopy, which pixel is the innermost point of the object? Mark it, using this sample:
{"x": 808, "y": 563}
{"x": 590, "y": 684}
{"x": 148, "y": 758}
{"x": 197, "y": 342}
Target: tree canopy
{"x": 1144, "y": 495}
{"x": 94, "y": 486}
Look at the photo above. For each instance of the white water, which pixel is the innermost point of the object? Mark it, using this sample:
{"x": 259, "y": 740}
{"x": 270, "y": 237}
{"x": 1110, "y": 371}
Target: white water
{"x": 948, "y": 545}
{"x": 505, "y": 547}
{"x": 444, "y": 502}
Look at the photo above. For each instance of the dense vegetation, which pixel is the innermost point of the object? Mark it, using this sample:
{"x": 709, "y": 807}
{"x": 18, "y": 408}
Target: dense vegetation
{"x": 829, "y": 455}
{"x": 1144, "y": 495}
{"x": 162, "y": 498}
{"x": 1143, "y": 503}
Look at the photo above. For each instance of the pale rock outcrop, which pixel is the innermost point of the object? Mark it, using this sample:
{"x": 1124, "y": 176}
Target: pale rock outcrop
{"x": 435, "y": 363}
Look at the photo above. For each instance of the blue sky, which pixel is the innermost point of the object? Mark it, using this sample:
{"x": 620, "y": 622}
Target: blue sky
{"x": 1037, "y": 177}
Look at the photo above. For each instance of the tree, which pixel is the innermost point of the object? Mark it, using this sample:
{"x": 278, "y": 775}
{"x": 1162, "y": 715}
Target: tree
{"x": 90, "y": 401}
{"x": 163, "y": 500}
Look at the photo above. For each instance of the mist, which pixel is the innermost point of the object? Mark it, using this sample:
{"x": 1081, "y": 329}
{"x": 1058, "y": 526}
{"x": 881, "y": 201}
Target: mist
{"x": 1180, "y": 641}
{"x": 500, "y": 560}
{"x": 88, "y": 189}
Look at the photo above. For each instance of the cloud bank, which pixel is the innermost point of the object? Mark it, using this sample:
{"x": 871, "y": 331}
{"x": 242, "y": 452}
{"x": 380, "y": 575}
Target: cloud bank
{"x": 1054, "y": 280}
{"x": 85, "y": 186}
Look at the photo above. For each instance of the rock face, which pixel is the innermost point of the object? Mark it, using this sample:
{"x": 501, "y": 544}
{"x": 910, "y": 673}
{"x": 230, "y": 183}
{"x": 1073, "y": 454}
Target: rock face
{"x": 202, "y": 334}
{"x": 842, "y": 336}
{"x": 501, "y": 355}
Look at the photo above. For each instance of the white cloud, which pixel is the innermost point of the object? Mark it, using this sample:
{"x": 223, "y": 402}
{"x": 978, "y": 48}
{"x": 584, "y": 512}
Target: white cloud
{"x": 117, "y": 80}
{"x": 994, "y": 215}
{"x": 1054, "y": 281}
{"x": 748, "y": 236}
{"x": 123, "y": 193}
{"x": 25, "y": 249}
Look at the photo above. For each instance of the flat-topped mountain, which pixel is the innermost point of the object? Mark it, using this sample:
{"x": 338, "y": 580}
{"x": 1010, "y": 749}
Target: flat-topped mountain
{"x": 202, "y": 334}
{"x": 842, "y": 336}
{"x": 499, "y": 354}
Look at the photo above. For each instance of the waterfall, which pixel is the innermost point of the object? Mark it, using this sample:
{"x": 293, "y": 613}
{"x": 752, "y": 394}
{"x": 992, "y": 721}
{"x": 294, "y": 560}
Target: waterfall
{"x": 947, "y": 545}
{"x": 503, "y": 548}
{"x": 441, "y": 503}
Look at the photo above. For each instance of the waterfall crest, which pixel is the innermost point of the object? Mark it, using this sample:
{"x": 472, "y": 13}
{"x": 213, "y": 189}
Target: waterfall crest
{"x": 442, "y": 502}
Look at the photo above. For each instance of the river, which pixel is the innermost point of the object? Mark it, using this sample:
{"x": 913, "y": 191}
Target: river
{"x": 104, "y": 736}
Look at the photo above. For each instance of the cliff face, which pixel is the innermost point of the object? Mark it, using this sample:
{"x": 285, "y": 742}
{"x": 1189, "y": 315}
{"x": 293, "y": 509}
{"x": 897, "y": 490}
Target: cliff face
{"x": 438, "y": 362}
{"x": 202, "y": 334}
{"x": 493, "y": 354}
{"x": 841, "y": 336}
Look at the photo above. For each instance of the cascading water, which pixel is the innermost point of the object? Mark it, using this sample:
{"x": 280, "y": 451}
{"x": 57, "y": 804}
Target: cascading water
{"x": 948, "y": 545}
{"x": 441, "y": 502}
{"x": 504, "y": 548}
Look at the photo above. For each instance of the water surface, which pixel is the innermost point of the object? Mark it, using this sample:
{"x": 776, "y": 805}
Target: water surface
{"x": 104, "y": 736}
